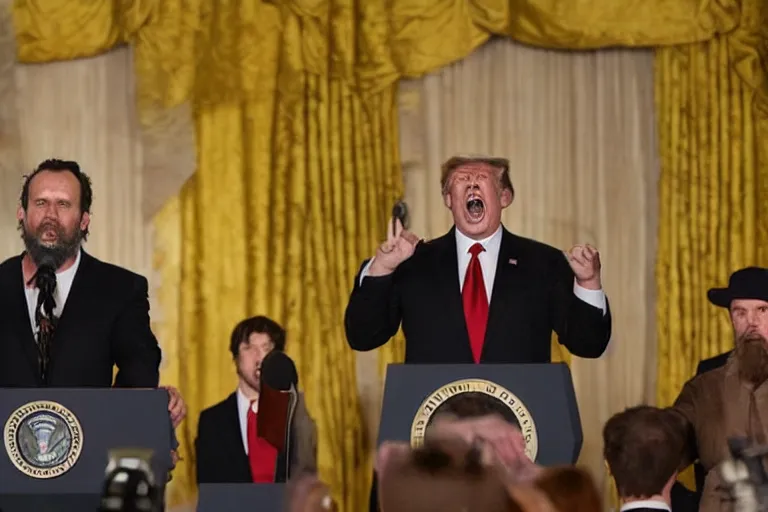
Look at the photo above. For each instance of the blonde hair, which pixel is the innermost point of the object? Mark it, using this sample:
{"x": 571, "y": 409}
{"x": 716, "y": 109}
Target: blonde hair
{"x": 453, "y": 163}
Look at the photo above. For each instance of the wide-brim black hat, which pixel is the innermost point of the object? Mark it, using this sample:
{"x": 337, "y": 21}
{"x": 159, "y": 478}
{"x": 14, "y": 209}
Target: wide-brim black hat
{"x": 747, "y": 283}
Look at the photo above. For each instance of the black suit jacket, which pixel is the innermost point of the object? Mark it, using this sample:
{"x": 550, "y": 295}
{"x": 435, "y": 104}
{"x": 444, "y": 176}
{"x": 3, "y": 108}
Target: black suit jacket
{"x": 220, "y": 456}
{"x": 531, "y": 297}
{"x": 105, "y": 322}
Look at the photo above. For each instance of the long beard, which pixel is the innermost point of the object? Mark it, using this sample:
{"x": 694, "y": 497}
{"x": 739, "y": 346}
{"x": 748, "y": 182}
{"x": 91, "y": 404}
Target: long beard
{"x": 56, "y": 254}
{"x": 752, "y": 355}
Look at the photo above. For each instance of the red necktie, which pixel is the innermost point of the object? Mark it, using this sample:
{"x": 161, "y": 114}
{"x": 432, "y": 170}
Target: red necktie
{"x": 475, "y": 302}
{"x": 262, "y": 456}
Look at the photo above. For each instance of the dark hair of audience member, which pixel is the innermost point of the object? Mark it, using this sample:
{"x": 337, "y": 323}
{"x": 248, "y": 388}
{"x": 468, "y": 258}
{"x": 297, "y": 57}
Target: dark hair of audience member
{"x": 443, "y": 474}
{"x": 643, "y": 447}
{"x": 474, "y": 405}
{"x": 570, "y": 489}
{"x": 259, "y": 324}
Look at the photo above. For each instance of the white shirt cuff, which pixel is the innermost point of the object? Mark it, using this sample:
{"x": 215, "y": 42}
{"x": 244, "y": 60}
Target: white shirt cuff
{"x": 365, "y": 270}
{"x": 594, "y": 298}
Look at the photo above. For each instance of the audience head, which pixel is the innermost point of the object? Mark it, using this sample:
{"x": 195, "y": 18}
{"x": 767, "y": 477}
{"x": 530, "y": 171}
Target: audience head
{"x": 643, "y": 447}
{"x": 307, "y": 493}
{"x": 54, "y": 212}
{"x": 446, "y": 473}
{"x": 486, "y": 422}
{"x": 476, "y": 190}
{"x": 251, "y": 341}
{"x": 570, "y": 489}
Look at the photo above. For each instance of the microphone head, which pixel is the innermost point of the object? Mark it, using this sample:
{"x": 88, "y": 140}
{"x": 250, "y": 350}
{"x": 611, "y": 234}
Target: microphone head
{"x": 400, "y": 211}
{"x": 278, "y": 371}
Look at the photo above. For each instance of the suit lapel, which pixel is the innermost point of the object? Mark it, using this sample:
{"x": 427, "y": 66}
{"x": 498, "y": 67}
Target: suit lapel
{"x": 505, "y": 283}
{"x": 448, "y": 271}
{"x": 233, "y": 437}
{"x": 20, "y": 312}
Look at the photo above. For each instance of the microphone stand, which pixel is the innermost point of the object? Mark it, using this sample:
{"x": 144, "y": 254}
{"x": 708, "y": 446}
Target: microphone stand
{"x": 292, "y": 403}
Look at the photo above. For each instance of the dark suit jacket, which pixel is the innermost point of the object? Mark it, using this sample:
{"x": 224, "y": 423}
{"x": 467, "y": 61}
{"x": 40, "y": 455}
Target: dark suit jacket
{"x": 529, "y": 300}
{"x": 220, "y": 456}
{"x": 105, "y": 322}
{"x": 682, "y": 498}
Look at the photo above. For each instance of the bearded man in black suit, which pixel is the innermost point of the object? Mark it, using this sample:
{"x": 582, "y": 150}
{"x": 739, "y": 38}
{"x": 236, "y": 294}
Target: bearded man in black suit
{"x": 478, "y": 294}
{"x": 66, "y": 318}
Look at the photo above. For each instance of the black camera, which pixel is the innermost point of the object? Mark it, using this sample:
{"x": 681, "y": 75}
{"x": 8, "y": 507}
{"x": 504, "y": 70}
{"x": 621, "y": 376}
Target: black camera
{"x": 130, "y": 484}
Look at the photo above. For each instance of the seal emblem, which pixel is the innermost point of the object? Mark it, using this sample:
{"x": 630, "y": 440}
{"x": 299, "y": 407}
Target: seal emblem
{"x": 43, "y": 439}
{"x": 474, "y": 391}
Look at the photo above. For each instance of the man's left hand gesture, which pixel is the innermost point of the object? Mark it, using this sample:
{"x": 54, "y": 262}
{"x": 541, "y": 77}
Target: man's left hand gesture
{"x": 176, "y": 406}
{"x": 585, "y": 263}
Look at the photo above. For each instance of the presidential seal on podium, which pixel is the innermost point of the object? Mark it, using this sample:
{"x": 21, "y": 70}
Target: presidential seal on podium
{"x": 43, "y": 439}
{"x": 480, "y": 397}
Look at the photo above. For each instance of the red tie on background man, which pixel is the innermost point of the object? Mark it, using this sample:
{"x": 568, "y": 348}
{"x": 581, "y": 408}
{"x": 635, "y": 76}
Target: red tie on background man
{"x": 262, "y": 456}
{"x": 475, "y": 302}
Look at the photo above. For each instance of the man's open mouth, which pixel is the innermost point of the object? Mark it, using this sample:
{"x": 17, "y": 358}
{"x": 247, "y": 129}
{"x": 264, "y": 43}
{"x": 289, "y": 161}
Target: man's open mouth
{"x": 475, "y": 207}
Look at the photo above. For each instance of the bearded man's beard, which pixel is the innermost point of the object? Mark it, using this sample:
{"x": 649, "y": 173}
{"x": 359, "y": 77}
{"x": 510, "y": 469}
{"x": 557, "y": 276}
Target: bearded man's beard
{"x": 752, "y": 354}
{"x": 55, "y": 254}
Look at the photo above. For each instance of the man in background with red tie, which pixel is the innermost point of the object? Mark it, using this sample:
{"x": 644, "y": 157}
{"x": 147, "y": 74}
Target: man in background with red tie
{"x": 478, "y": 294}
{"x": 228, "y": 448}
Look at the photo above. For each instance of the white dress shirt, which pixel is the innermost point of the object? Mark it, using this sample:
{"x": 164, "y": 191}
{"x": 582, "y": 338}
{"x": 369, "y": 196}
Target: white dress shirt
{"x": 63, "y": 286}
{"x": 656, "y": 504}
{"x": 243, "y": 403}
{"x": 488, "y": 259}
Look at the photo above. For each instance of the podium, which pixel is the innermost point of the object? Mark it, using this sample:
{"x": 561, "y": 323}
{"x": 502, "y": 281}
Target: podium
{"x": 538, "y": 398}
{"x": 240, "y": 497}
{"x": 57, "y": 442}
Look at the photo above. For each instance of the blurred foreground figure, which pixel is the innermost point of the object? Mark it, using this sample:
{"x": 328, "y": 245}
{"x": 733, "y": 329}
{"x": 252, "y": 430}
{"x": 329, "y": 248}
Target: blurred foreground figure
{"x": 449, "y": 474}
{"x": 308, "y": 494}
{"x": 130, "y": 484}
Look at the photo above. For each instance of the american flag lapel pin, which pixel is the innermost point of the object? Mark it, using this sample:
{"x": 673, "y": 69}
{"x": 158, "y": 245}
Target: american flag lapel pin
{"x": 513, "y": 262}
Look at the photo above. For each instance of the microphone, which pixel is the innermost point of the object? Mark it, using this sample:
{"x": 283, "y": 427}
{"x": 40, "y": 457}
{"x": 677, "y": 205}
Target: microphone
{"x": 278, "y": 371}
{"x": 400, "y": 211}
{"x": 278, "y": 398}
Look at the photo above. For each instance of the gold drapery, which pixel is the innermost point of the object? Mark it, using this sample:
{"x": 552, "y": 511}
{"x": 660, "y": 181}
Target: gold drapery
{"x": 224, "y": 53}
{"x": 296, "y": 264}
{"x": 712, "y": 104}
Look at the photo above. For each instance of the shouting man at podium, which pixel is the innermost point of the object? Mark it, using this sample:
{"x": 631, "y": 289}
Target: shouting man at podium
{"x": 67, "y": 318}
{"x": 478, "y": 294}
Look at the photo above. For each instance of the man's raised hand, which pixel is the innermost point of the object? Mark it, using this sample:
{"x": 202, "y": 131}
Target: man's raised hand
{"x": 399, "y": 247}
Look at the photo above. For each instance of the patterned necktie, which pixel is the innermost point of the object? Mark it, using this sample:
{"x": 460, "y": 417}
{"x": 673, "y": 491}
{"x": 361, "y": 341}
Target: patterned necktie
{"x": 45, "y": 318}
{"x": 475, "y": 302}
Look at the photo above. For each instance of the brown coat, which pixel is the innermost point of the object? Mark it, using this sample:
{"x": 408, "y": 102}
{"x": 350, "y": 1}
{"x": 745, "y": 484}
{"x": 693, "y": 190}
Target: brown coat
{"x": 716, "y": 406}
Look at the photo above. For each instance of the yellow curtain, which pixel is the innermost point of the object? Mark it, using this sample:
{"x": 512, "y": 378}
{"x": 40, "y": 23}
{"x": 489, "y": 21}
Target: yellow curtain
{"x": 297, "y": 168}
{"x": 713, "y": 118}
{"x": 711, "y": 108}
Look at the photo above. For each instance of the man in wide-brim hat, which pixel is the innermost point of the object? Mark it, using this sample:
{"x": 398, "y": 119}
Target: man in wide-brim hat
{"x": 732, "y": 400}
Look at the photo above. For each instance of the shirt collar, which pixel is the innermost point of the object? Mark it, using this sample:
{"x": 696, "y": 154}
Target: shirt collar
{"x": 463, "y": 242}
{"x": 243, "y": 402}
{"x": 657, "y": 504}
{"x": 71, "y": 271}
